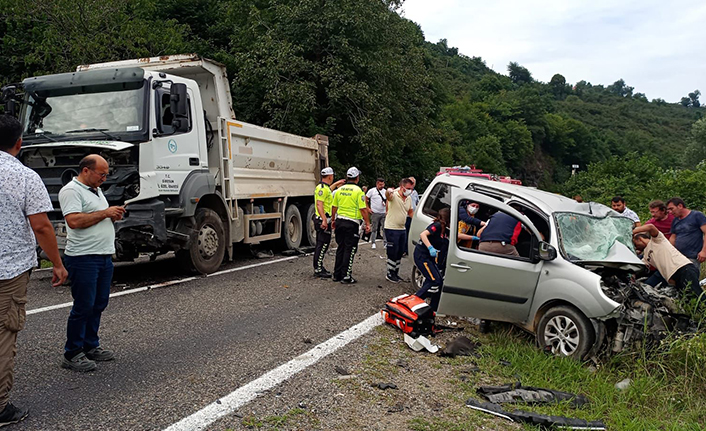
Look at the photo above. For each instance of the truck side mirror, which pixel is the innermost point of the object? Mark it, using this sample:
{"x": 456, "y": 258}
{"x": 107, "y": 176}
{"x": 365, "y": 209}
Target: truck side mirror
{"x": 179, "y": 107}
{"x": 546, "y": 251}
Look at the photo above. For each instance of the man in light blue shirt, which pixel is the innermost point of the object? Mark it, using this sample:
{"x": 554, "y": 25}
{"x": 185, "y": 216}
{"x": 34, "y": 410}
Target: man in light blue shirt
{"x": 90, "y": 244}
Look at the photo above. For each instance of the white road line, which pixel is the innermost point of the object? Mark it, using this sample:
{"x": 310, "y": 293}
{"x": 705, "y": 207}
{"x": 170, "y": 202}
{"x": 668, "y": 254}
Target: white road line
{"x": 247, "y": 393}
{"x": 166, "y": 283}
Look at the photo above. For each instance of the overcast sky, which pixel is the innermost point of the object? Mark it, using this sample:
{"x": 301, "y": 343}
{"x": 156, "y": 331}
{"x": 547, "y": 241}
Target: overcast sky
{"x": 656, "y": 46}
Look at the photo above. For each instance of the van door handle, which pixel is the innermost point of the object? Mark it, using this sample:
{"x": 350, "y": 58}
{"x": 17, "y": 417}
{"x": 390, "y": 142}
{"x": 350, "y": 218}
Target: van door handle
{"x": 461, "y": 267}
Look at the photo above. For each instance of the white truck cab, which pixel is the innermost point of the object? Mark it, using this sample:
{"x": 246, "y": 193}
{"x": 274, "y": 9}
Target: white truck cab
{"x": 194, "y": 180}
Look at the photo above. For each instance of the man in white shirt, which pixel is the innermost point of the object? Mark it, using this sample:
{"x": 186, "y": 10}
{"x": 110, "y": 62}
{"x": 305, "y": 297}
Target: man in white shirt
{"x": 377, "y": 204}
{"x": 24, "y": 204}
{"x": 618, "y": 205}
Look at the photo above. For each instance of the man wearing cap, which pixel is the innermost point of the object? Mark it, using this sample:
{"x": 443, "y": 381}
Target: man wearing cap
{"x": 348, "y": 210}
{"x": 323, "y": 199}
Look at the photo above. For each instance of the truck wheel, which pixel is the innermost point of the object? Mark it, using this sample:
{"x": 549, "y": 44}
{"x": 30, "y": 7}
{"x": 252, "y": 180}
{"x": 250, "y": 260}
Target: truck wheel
{"x": 309, "y": 226}
{"x": 417, "y": 278}
{"x": 566, "y": 332}
{"x": 208, "y": 243}
{"x": 292, "y": 227}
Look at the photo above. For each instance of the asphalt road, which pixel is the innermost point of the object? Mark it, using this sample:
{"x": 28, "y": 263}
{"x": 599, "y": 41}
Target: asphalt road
{"x": 181, "y": 347}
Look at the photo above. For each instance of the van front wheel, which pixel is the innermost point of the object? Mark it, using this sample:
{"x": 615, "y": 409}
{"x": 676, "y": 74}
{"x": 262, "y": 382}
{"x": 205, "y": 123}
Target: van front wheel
{"x": 565, "y": 331}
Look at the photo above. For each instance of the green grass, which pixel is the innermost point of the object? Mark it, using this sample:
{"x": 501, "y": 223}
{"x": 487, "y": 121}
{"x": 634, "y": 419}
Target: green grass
{"x": 668, "y": 390}
{"x": 283, "y": 421}
{"x": 45, "y": 264}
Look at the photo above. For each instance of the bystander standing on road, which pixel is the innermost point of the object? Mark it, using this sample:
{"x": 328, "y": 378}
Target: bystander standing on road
{"x": 377, "y": 203}
{"x": 659, "y": 252}
{"x": 323, "y": 199}
{"x": 24, "y": 204}
{"x": 688, "y": 231}
{"x": 399, "y": 208}
{"x": 90, "y": 244}
{"x": 408, "y": 222}
{"x": 618, "y": 205}
{"x": 348, "y": 210}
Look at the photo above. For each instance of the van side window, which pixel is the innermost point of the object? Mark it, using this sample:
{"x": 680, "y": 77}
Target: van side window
{"x": 439, "y": 197}
{"x": 164, "y": 112}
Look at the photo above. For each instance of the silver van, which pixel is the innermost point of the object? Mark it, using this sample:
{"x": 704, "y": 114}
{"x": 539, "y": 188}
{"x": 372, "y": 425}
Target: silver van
{"x": 570, "y": 284}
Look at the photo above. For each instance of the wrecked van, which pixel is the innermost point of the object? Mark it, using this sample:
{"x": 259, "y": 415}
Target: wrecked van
{"x": 573, "y": 285}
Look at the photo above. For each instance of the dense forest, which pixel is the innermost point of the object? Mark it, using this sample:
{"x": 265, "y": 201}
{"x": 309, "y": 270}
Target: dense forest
{"x": 392, "y": 103}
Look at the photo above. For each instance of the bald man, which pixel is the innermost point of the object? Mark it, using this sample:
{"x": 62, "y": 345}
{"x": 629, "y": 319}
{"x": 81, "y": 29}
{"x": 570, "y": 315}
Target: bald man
{"x": 90, "y": 244}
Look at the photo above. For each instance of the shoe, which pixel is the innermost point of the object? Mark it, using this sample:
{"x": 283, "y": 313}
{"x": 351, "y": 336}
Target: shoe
{"x": 348, "y": 280}
{"x": 322, "y": 274}
{"x": 391, "y": 278}
{"x": 78, "y": 363}
{"x": 12, "y": 414}
{"x": 400, "y": 279}
{"x": 100, "y": 354}
{"x": 334, "y": 279}
{"x": 374, "y": 246}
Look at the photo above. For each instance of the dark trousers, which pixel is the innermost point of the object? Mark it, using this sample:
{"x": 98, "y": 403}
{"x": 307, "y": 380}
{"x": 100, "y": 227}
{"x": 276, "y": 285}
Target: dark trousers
{"x": 687, "y": 277}
{"x": 13, "y": 297}
{"x": 407, "y": 224}
{"x": 655, "y": 278}
{"x": 347, "y": 236}
{"x": 432, "y": 277}
{"x": 90, "y": 287}
{"x": 395, "y": 248}
{"x": 323, "y": 239}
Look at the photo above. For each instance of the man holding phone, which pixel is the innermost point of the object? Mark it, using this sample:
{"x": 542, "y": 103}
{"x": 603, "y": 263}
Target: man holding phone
{"x": 90, "y": 244}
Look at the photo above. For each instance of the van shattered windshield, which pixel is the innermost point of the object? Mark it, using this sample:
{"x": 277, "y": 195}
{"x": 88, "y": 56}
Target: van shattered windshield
{"x": 588, "y": 238}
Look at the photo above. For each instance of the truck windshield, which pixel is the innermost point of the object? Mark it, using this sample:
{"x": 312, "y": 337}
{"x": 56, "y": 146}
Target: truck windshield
{"x": 587, "y": 238}
{"x": 114, "y": 112}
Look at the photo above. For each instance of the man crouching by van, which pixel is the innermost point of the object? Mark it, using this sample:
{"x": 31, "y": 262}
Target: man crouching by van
{"x": 660, "y": 253}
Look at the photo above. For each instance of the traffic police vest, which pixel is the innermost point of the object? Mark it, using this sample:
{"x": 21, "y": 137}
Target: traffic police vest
{"x": 322, "y": 193}
{"x": 349, "y": 200}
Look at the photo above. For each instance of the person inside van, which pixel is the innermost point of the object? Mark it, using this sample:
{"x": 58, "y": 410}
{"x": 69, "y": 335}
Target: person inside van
{"x": 468, "y": 224}
{"x": 500, "y": 234}
{"x": 430, "y": 257}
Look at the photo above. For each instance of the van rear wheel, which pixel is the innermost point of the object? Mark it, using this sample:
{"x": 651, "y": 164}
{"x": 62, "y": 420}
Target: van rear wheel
{"x": 565, "y": 331}
{"x": 417, "y": 278}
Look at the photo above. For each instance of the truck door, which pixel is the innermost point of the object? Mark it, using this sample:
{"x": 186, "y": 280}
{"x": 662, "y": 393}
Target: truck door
{"x": 486, "y": 285}
{"x": 175, "y": 154}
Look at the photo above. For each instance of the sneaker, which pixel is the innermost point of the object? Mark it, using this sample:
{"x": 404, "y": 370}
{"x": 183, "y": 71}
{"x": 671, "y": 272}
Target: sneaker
{"x": 78, "y": 363}
{"x": 12, "y": 414}
{"x": 348, "y": 280}
{"x": 391, "y": 278}
{"x": 400, "y": 279}
{"x": 100, "y": 354}
{"x": 322, "y": 274}
{"x": 374, "y": 246}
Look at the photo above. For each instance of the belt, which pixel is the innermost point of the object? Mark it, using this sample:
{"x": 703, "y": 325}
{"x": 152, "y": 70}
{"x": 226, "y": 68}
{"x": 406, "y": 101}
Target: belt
{"x": 354, "y": 220}
{"x": 504, "y": 243}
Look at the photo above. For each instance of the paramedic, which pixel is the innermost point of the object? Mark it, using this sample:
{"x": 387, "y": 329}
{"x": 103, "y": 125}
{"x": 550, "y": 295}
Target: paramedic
{"x": 348, "y": 210}
{"x": 430, "y": 257}
{"x": 322, "y": 221}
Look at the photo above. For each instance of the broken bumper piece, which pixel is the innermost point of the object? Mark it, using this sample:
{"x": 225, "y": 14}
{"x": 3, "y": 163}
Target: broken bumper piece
{"x": 535, "y": 418}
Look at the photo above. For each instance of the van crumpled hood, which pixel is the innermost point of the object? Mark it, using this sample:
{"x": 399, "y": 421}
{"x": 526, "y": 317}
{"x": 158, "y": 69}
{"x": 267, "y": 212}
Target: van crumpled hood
{"x": 619, "y": 256}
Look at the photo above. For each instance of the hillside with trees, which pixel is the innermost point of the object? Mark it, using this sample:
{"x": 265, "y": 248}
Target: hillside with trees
{"x": 355, "y": 70}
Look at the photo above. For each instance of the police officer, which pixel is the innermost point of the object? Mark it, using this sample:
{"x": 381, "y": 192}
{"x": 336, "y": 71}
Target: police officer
{"x": 348, "y": 211}
{"x": 323, "y": 199}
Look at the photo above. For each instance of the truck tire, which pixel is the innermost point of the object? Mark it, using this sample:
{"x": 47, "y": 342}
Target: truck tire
{"x": 207, "y": 245}
{"x": 309, "y": 226}
{"x": 565, "y": 331}
{"x": 292, "y": 227}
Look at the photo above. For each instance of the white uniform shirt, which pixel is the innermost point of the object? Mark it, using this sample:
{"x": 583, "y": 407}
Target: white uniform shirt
{"x": 22, "y": 194}
{"x": 377, "y": 204}
{"x": 628, "y": 213}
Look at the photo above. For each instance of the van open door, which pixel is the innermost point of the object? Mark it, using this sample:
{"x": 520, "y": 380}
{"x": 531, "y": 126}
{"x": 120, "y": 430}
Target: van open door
{"x": 487, "y": 285}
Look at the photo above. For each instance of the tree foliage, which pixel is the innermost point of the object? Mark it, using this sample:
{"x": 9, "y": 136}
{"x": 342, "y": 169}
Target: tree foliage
{"x": 355, "y": 70}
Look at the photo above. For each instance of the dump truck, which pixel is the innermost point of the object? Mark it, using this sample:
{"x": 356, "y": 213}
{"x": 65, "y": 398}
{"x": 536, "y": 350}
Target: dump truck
{"x": 193, "y": 179}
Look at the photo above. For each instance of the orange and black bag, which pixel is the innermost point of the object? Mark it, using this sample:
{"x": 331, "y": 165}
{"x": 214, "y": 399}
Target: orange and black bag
{"x": 410, "y": 314}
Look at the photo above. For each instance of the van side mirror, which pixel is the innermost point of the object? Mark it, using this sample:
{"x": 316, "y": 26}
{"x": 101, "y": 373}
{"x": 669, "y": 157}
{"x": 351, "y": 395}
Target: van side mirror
{"x": 546, "y": 251}
{"x": 179, "y": 107}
